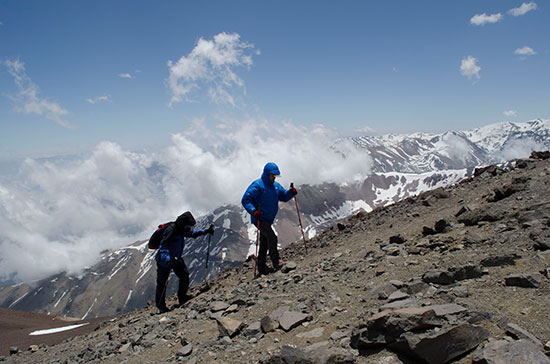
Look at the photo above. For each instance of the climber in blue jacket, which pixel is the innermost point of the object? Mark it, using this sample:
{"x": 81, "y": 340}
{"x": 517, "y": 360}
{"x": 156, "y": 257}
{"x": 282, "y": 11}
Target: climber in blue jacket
{"x": 169, "y": 257}
{"x": 261, "y": 200}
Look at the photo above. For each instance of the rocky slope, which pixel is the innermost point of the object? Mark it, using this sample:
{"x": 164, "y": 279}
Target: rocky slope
{"x": 457, "y": 275}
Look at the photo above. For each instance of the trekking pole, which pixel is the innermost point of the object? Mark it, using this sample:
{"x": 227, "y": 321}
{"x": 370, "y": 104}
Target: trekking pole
{"x": 299, "y": 218}
{"x": 257, "y": 240}
{"x": 207, "y": 255}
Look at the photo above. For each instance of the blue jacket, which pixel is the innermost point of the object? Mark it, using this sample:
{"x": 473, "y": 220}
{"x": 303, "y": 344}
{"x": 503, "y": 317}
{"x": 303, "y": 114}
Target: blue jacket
{"x": 266, "y": 195}
{"x": 173, "y": 249}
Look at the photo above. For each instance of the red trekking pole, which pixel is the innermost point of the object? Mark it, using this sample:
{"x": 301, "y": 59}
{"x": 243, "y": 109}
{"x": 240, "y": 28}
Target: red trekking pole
{"x": 299, "y": 218}
{"x": 257, "y": 239}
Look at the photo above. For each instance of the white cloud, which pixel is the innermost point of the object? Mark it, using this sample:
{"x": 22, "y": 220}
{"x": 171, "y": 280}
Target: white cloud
{"x": 469, "y": 68}
{"x": 482, "y": 19}
{"x": 28, "y": 100}
{"x": 511, "y": 113}
{"x": 525, "y": 51}
{"x": 211, "y": 63}
{"x": 523, "y": 9}
{"x": 60, "y": 214}
{"x": 99, "y": 99}
{"x": 125, "y": 75}
{"x": 519, "y": 149}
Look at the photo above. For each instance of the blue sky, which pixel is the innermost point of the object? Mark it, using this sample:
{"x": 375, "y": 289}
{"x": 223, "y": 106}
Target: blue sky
{"x": 75, "y": 73}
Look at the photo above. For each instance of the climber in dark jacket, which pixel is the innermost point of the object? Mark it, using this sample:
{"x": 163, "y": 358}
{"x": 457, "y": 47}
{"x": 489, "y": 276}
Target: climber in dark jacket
{"x": 169, "y": 258}
{"x": 261, "y": 200}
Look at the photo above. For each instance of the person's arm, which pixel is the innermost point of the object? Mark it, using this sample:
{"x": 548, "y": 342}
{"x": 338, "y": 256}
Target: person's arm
{"x": 250, "y": 196}
{"x": 194, "y": 233}
{"x": 284, "y": 195}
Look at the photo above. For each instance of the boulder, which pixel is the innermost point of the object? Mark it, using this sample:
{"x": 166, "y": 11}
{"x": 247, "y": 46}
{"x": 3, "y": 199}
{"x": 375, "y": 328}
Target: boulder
{"x": 441, "y": 225}
{"x": 386, "y": 326}
{"x": 218, "y": 306}
{"x": 228, "y": 326}
{"x": 331, "y": 356}
{"x": 453, "y": 274}
{"x": 397, "y": 239}
{"x": 441, "y": 346}
{"x": 525, "y": 280}
{"x": 506, "y": 352}
{"x": 518, "y": 333}
{"x": 500, "y": 260}
{"x": 254, "y": 329}
{"x": 291, "y": 319}
{"x": 288, "y": 355}
{"x": 268, "y": 324}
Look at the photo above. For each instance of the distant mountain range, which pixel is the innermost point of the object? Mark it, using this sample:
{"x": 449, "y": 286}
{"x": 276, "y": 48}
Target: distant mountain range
{"x": 403, "y": 166}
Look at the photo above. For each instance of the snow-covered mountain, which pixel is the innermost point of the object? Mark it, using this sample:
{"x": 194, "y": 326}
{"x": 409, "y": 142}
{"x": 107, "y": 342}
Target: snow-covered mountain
{"x": 425, "y": 152}
{"x": 403, "y": 166}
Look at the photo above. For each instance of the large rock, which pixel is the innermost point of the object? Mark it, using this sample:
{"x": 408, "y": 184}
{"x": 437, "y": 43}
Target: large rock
{"x": 453, "y": 274}
{"x": 505, "y": 352}
{"x": 268, "y": 324}
{"x": 291, "y": 319}
{"x": 474, "y": 217}
{"x": 525, "y": 280}
{"x": 441, "y": 346}
{"x": 385, "y": 327}
{"x": 500, "y": 260}
{"x": 331, "y": 356}
{"x": 288, "y": 355}
{"x": 228, "y": 326}
{"x": 518, "y": 332}
{"x": 293, "y": 355}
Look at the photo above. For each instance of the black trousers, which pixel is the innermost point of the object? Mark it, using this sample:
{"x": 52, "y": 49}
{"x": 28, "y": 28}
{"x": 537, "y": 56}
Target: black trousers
{"x": 180, "y": 269}
{"x": 268, "y": 243}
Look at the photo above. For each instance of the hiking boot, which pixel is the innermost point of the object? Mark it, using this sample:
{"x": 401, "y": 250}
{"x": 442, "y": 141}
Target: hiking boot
{"x": 278, "y": 265}
{"x": 262, "y": 269}
{"x": 183, "y": 300}
{"x": 163, "y": 309}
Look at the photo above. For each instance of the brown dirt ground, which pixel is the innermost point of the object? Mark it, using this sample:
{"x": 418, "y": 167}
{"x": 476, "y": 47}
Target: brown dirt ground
{"x": 15, "y": 327}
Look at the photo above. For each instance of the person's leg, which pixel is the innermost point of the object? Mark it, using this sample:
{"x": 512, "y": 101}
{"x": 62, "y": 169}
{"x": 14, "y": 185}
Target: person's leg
{"x": 272, "y": 242}
{"x": 183, "y": 274}
{"x": 162, "y": 281}
{"x": 264, "y": 243}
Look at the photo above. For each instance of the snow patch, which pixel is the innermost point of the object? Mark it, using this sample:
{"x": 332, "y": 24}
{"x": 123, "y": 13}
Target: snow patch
{"x": 56, "y": 330}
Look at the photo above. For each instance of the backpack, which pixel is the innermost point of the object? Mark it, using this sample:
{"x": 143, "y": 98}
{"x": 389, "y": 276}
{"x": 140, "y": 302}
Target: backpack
{"x": 156, "y": 238}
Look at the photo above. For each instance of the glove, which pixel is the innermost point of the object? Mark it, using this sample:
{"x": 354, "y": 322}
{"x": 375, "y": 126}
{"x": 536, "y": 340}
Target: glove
{"x": 210, "y": 230}
{"x": 257, "y": 215}
{"x": 293, "y": 191}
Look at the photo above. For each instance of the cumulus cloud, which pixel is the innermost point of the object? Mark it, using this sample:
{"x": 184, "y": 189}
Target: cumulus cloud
{"x": 59, "y": 215}
{"x": 469, "y": 68}
{"x": 125, "y": 75}
{"x": 525, "y": 51}
{"x": 482, "y": 19}
{"x": 519, "y": 149}
{"x": 211, "y": 64}
{"x": 511, "y": 113}
{"x": 99, "y": 99}
{"x": 28, "y": 99}
{"x": 523, "y": 9}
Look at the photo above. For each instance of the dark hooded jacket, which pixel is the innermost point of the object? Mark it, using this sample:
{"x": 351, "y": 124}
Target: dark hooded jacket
{"x": 266, "y": 195}
{"x": 173, "y": 240}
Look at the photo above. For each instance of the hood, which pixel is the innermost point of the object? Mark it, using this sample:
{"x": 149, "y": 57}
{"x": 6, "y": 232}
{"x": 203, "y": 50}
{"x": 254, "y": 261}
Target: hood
{"x": 270, "y": 168}
{"x": 185, "y": 220}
